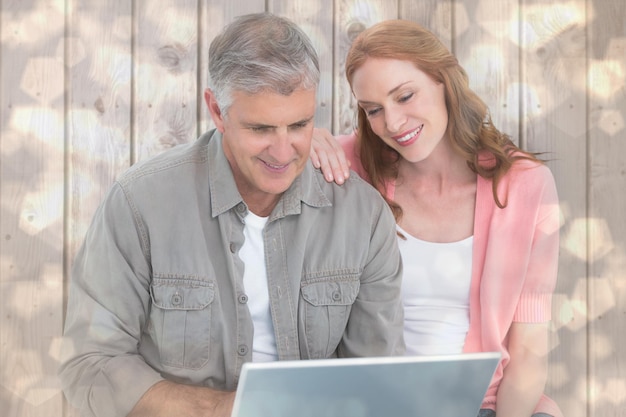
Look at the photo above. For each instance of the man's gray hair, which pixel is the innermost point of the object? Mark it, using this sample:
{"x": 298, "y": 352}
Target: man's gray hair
{"x": 261, "y": 52}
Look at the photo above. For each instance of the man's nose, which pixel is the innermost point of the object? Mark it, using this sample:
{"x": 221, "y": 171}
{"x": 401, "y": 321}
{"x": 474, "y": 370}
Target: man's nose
{"x": 281, "y": 148}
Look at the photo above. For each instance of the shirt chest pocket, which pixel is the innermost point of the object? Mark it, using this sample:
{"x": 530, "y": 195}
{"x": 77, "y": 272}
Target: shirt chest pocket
{"x": 181, "y": 320}
{"x": 325, "y": 310}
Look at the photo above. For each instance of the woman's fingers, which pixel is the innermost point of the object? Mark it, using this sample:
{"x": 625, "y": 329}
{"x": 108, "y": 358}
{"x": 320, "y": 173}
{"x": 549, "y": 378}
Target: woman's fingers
{"x": 328, "y": 155}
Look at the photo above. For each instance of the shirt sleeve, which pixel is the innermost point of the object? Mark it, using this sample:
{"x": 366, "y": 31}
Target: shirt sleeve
{"x": 535, "y": 303}
{"x": 379, "y": 300}
{"x": 376, "y": 323}
{"x": 101, "y": 370}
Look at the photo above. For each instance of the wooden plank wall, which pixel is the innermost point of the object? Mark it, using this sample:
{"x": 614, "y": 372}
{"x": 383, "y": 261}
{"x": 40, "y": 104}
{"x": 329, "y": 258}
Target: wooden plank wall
{"x": 89, "y": 87}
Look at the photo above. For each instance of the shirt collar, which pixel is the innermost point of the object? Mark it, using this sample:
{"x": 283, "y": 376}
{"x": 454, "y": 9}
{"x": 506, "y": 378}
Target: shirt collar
{"x": 224, "y": 194}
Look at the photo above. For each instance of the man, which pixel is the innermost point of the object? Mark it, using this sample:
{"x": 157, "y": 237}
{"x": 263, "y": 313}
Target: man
{"x": 230, "y": 249}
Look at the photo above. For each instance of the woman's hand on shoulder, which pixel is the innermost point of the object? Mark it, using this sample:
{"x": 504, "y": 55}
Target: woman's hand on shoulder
{"x": 328, "y": 155}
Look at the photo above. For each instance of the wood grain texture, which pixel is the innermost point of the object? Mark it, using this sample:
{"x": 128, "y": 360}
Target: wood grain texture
{"x": 553, "y": 121}
{"x": 436, "y": 15}
{"x": 32, "y": 153}
{"x": 165, "y": 75}
{"x": 486, "y": 42}
{"x": 352, "y": 16}
{"x": 86, "y": 89}
{"x": 99, "y": 112}
{"x": 605, "y": 219}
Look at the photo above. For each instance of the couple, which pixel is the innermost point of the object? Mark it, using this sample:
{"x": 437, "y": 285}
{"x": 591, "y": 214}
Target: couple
{"x": 234, "y": 248}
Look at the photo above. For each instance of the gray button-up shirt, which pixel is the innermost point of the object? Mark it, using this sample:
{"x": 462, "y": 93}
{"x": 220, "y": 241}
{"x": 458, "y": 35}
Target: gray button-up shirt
{"x": 157, "y": 287}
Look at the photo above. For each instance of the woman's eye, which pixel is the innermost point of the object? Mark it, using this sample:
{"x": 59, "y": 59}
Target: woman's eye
{"x": 372, "y": 112}
{"x": 405, "y": 98}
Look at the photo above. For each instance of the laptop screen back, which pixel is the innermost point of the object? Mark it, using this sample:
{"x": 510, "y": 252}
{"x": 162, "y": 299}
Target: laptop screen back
{"x": 408, "y": 386}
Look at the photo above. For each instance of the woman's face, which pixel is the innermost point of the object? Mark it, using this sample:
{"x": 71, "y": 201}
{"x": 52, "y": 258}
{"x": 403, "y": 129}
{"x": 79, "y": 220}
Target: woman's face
{"x": 404, "y": 106}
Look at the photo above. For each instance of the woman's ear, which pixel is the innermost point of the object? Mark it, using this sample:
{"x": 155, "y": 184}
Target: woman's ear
{"x": 214, "y": 109}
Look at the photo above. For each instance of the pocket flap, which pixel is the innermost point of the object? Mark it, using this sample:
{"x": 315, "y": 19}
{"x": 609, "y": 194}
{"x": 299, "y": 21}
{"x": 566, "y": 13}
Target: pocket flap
{"x": 338, "y": 292}
{"x": 181, "y": 293}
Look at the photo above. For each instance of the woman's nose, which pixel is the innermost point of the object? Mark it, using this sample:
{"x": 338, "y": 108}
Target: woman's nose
{"x": 394, "y": 121}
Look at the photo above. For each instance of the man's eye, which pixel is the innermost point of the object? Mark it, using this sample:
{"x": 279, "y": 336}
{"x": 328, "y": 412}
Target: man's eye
{"x": 299, "y": 125}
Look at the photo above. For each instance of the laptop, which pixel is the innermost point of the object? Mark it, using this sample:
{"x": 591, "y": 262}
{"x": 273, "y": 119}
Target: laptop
{"x": 399, "y": 386}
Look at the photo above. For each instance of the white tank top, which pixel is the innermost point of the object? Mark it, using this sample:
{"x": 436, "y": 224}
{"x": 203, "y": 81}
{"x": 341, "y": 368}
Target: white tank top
{"x": 252, "y": 254}
{"x": 435, "y": 293}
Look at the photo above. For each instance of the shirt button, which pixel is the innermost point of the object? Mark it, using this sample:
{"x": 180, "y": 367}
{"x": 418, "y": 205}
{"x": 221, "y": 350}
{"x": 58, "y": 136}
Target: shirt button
{"x": 242, "y": 350}
{"x": 177, "y": 299}
{"x": 337, "y": 295}
{"x": 241, "y": 208}
{"x": 243, "y": 298}
{"x": 232, "y": 248}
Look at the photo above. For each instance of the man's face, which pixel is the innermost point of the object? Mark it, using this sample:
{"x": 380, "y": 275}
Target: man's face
{"x": 267, "y": 140}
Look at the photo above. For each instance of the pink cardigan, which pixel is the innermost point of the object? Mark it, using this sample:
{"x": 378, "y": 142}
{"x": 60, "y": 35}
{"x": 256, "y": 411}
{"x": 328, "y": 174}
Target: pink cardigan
{"x": 514, "y": 263}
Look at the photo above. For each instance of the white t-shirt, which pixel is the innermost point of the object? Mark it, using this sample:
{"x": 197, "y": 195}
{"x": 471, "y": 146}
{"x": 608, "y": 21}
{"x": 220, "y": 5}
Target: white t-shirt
{"x": 435, "y": 293}
{"x": 252, "y": 254}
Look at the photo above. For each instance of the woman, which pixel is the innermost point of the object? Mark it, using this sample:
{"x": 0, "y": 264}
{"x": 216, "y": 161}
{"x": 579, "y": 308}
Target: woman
{"x": 477, "y": 217}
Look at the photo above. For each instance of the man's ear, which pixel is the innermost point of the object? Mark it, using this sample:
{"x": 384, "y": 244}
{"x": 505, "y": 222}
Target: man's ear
{"x": 214, "y": 109}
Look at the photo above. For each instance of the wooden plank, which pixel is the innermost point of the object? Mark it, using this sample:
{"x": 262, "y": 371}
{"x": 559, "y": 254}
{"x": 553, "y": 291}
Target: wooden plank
{"x": 165, "y": 75}
{"x": 316, "y": 19}
{"x": 99, "y": 111}
{"x": 553, "y": 73}
{"x": 32, "y": 206}
{"x": 435, "y": 15}
{"x": 486, "y": 39}
{"x": 607, "y": 205}
{"x": 99, "y": 62}
{"x": 352, "y": 16}
{"x": 214, "y": 15}
{"x": 553, "y": 121}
